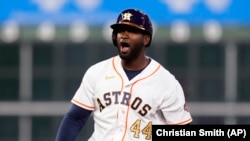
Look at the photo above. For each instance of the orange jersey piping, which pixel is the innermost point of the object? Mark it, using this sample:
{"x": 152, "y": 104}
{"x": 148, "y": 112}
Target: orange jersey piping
{"x": 131, "y": 89}
{"x": 83, "y": 105}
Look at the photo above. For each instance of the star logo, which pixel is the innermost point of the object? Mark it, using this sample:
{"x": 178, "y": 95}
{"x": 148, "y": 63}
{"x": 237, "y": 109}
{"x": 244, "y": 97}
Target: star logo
{"x": 126, "y": 16}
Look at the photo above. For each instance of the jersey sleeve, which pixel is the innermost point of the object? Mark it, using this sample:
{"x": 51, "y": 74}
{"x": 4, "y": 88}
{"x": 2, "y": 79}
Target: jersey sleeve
{"x": 174, "y": 107}
{"x": 84, "y": 94}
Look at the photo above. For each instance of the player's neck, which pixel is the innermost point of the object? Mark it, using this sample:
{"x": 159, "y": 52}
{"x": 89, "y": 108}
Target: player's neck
{"x": 137, "y": 64}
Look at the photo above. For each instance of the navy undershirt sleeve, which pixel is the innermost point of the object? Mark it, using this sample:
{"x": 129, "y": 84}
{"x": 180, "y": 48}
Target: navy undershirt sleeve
{"x": 72, "y": 123}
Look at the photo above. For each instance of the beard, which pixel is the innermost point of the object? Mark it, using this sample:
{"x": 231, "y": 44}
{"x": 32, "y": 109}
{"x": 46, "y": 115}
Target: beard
{"x": 133, "y": 54}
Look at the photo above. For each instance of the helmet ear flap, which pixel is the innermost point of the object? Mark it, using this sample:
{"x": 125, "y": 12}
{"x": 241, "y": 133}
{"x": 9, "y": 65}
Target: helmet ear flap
{"x": 114, "y": 34}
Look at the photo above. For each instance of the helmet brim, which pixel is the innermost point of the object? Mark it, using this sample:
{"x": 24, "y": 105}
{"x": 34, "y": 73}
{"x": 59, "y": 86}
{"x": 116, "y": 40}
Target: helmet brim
{"x": 124, "y": 24}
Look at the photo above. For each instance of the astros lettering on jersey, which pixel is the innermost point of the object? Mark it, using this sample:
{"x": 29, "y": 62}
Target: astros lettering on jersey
{"x": 125, "y": 110}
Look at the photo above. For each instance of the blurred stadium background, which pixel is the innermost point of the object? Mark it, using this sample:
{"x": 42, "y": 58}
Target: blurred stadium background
{"x": 47, "y": 45}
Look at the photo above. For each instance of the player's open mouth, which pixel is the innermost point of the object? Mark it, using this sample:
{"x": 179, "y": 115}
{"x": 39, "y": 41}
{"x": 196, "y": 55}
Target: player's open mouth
{"x": 124, "y": 46}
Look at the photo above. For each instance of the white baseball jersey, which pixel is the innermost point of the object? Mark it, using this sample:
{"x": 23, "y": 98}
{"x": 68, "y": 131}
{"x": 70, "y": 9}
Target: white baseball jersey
{"x": 123, "y": 109}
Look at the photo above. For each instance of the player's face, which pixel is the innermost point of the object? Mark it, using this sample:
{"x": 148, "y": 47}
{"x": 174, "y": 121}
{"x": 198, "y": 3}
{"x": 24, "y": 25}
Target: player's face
{"x": 130, "y": 43}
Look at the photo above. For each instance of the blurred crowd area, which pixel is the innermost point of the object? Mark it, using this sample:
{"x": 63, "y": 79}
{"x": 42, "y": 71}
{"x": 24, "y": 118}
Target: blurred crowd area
{"x": 38, "y": 79}
{"x": 42, "y": 62}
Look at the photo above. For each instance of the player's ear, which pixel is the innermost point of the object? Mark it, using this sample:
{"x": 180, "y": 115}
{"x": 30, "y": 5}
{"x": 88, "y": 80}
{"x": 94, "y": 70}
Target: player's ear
{"x": 146, "y": 39}
{"x": 114, "y": 36}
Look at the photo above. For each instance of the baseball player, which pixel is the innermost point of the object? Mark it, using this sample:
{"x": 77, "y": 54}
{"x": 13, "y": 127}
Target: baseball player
{"x": 127, "y": 93}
